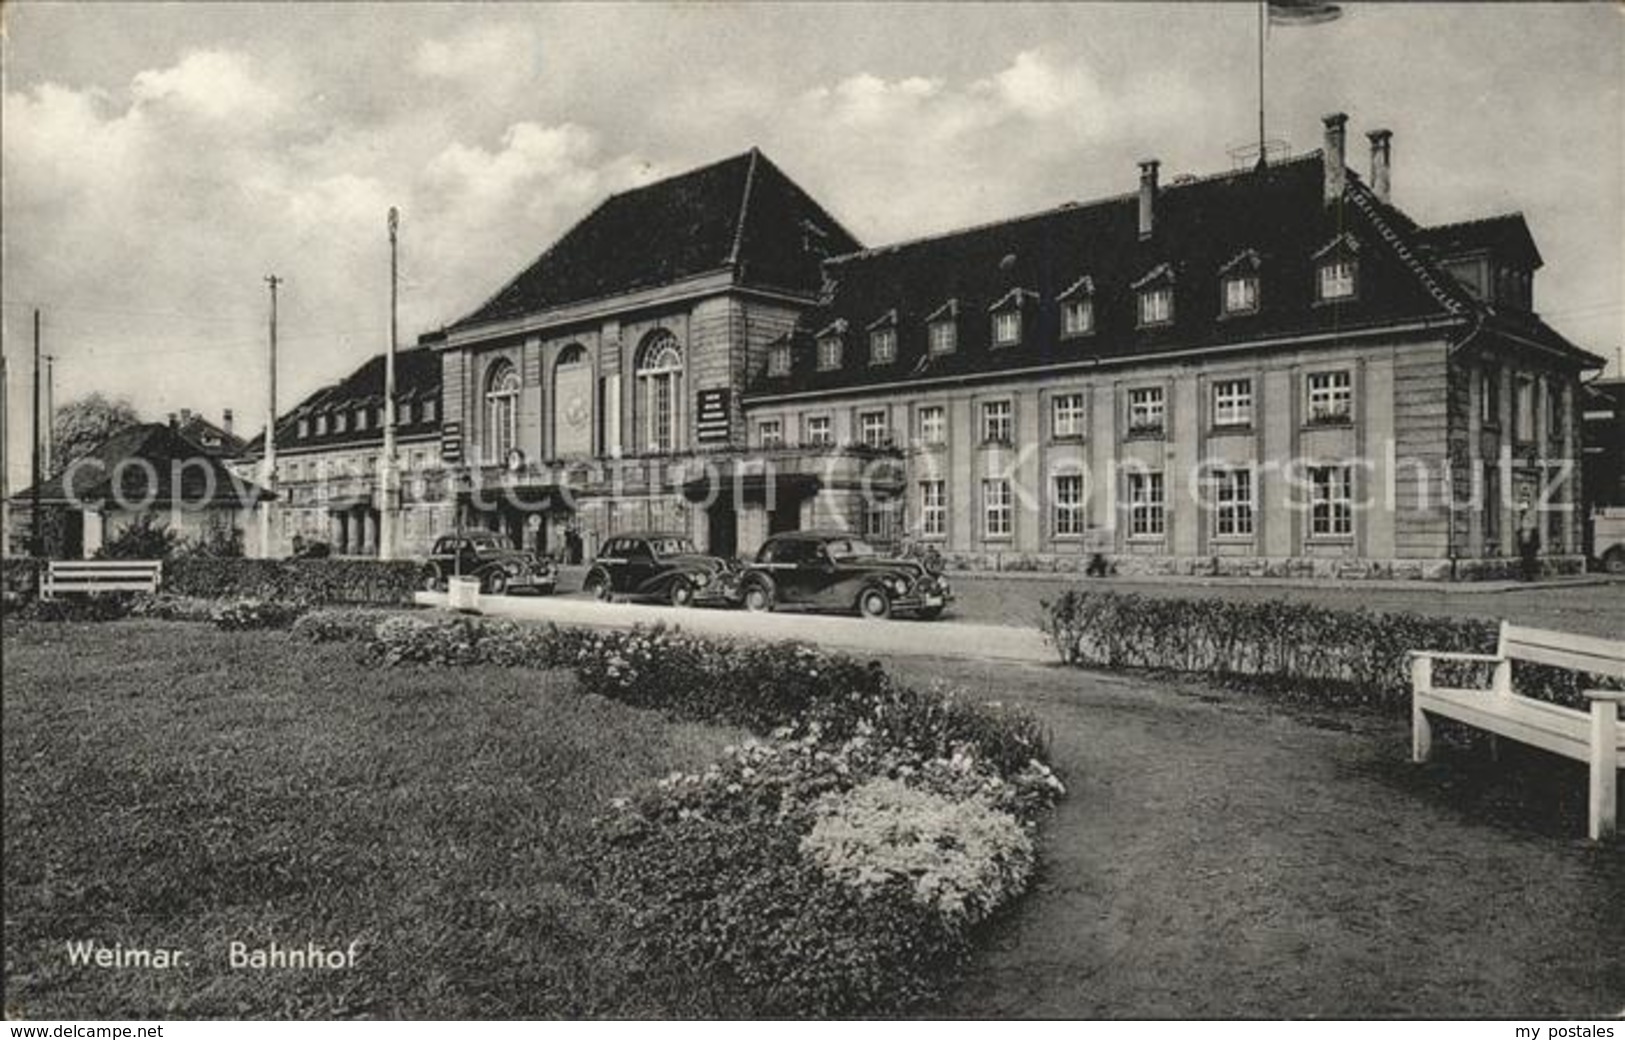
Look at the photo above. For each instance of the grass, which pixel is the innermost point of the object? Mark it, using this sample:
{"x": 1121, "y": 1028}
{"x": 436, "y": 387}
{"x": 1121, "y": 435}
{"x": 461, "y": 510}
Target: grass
{"x": 1220, "y": 857}
{"x": 172, "y": 786}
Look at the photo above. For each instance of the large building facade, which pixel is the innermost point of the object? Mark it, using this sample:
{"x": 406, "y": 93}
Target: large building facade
{"x": 1269, "y": 371}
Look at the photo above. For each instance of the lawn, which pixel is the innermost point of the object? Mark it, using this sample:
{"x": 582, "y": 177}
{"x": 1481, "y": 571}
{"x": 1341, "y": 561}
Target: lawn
{"x": 168, "y": 785}
{"x": 1221, "y": 856}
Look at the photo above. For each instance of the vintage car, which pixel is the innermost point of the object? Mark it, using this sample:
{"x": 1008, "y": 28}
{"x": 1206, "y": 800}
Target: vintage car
{"x": 834, "y": 570}
{"x": 660, "y": 565}
{"x": 492, "y": 559}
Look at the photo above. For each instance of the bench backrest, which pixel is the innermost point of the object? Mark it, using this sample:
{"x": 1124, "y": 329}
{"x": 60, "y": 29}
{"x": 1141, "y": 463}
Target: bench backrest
{"x": 1588, "y": 654}
{"x": 103, "y": 576}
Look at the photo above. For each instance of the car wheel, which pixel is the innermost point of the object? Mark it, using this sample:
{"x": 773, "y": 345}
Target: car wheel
{"x": 496, "y": 583}
{"x": 596, "y": 587}
{"x": 758, "y": 600}
{"x": 681, "y": 593}
{"x": 930, "y": 613}
{"x": 1613, "y": 561}
{"x": 431, "y": 580}
{"x": 874, "y": 603}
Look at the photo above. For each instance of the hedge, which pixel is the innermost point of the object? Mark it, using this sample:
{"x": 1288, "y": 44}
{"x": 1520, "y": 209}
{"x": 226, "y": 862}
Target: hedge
{"x": 387, "y": 582}
{"x": 1357, "y": 657}
{"x": 19, "y": 577}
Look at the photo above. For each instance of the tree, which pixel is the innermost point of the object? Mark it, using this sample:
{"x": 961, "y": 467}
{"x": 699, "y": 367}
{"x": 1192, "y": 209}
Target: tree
{"x": 83, "y": 424}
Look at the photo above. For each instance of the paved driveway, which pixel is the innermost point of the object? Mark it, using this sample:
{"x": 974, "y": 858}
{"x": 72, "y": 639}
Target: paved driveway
{"x": 941, "y": 638}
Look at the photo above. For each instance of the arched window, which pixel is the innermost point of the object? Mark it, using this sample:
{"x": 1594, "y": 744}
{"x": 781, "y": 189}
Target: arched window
{"x": 659, "y": 391}
{"x": 572, "y": 402}
{"x": 501, "y": 411}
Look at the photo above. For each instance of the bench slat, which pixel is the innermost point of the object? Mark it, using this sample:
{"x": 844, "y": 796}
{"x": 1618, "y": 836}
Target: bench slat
{"x": 1564, "y": 650}
{"x": 1567, "y": 734}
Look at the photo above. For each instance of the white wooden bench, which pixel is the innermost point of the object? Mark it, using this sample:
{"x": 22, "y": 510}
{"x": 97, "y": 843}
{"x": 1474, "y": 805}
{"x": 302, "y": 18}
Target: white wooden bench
{"x": 65, "y": 576}
{"x": 1596, "y": 737}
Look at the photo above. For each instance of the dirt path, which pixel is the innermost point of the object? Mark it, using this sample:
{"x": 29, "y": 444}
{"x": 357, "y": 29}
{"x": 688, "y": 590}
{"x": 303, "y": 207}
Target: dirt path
{"x": 1219, "y": 859}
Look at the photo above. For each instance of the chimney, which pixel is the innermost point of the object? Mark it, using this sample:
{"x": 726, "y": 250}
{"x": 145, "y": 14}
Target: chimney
{"x": 1148, "y": 196}
{"x": 1381, "y": 150}
{"x": 1333, "y": 156}
{"x": 186, "y": 416}
{"x": 174, "y": 420}
{"x": 225, "y": 420}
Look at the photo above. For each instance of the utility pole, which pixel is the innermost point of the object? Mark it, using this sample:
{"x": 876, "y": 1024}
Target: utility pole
{"x": 268, "y": 467}
{"x": 389, "y": 476}
{"x": 36, "y": 540}
{"x": 49, "y": 450}
{"x": 5, "y": 457}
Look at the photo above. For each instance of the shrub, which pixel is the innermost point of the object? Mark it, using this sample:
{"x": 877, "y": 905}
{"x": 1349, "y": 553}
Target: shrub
{"x": 107, "y": 606}
{"x": 389, "y": 582}
{"x": 1349, "y": 657}
{"x": 245, "y": 614}
{"x": 167, "y": 606}
{"x": 960, "y": 857}
{"x": 216, "y": 542}
{"x": 20, "y": 578}
{"x": 144, "y": 538}
{"x": 338, "y": 624}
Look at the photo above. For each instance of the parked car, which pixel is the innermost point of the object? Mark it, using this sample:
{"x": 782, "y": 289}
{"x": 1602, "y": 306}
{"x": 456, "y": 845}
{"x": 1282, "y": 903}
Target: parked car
{"x": 491, "y": 558}
{"x": 661, "y": 565}
{"x": 1608, "y": 538}
{"x": 832, "y": 570}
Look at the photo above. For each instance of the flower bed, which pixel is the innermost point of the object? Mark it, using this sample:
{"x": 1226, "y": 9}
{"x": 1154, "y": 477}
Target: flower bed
{"x": 840, "y": 865}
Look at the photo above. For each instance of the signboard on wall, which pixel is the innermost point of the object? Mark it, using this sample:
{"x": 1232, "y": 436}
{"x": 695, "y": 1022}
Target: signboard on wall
{"x": 451, "y": 441}
{"x": 711, "y": 415}
{"x": 572, "y": 420}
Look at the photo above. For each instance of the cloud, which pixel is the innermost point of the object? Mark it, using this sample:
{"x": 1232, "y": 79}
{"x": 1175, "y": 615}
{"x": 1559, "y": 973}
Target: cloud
{"x": 216, "y": 85}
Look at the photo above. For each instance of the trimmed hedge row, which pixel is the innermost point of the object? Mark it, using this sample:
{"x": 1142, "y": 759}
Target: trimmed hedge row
{"x": 838, "y": 867}
{"x": 387, "y": 582}
{"x": 1348, "y": 657}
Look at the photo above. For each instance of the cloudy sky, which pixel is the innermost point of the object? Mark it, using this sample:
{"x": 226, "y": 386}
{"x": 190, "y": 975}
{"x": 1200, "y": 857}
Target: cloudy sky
{"x": 160, "y": 160}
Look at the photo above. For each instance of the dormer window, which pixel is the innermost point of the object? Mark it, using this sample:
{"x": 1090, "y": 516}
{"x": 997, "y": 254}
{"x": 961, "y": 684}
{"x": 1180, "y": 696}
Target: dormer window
{"x": 942, "y": 329}
{"x": 1155, "y": 294}
{"x": 304, "y": 427}
{"x": 1238, "y": 284}
{"x": 1337, "y": 270}
{"x": 360, "y": 419}
{"x": 778, "y": 359}
{"x": 340, "y": 422}
{"x": 321, "y": 425}
{"x": 883, "y": 340}
{"x": 1007, "y": 318}
{"x": 829, "y": 353}
{"x": 1078, "y": 308}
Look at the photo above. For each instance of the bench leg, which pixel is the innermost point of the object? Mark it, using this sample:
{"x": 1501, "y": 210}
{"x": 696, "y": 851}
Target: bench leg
{"x": 1421, "y": 734}
{"x": 1604, "y": 764}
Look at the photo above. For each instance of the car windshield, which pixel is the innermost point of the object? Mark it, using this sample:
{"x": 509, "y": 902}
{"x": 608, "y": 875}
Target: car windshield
{"x": 848, "y": 549}
{"x": 490, "y": 541}
{"x": 671, "y": 546}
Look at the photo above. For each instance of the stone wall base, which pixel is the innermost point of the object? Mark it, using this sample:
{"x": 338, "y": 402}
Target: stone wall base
{"x": 1345, "y": 568}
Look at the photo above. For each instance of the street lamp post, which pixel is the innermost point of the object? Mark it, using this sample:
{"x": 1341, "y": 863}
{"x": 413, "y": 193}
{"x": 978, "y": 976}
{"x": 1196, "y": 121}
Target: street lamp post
{"x": 389, "y": 474}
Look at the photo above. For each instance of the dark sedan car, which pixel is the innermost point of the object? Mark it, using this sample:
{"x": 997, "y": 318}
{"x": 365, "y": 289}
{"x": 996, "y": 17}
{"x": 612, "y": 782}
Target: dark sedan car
{"x": 834, "y": 571}
{"x": 660, "y": 565}
{"x": 492, "y": 559}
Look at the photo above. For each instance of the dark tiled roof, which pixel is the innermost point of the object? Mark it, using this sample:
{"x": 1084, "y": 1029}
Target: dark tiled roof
{"x": 741, "y": 214}
{"x": 1505, "y": 235}
{"x": 417, "y": 378}
{"x": 210, "y": 439}
{"x": 1201, "y": 226}
{"x": 202, "y": 479}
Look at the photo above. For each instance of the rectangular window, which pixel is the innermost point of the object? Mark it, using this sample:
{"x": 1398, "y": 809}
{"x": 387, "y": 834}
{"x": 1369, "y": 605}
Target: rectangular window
{"x": 818, "y": 431}
{"x": 340, "y": 422}
{"x": 1233, "y": 402}
{"x": 1066, "y": 416}
{"x": 360, "y": 419}
{"x": 996, "y": 508}
{"x": 1331, "y": 397}
{"x": 933, "y": 425}
{"x": 431, "y": 411}
{"x": 1006, "y": 328}
{"x": 1233, "y": 503}
{"x": 1554, "y": 413}
{"x": 1146, "y": 412}
{"x": 1337, "y": 279}
{"x": 1241, "y": 294}
{"x": 1157, "y": 305}
{"x": 1492, "y": 507}
{"x": 1146, "y": 516}
{"x": 770, "y": 433}
{"x": 829, "y": 353}
{"x": 872, "y": 429}
{"x": 878, "y": 521}
{"x": 1523, "y": 416}
{"x": 1068, "y": 504}
{"x": 321, "y": 425}
{"x": 882, "y": 346}
{"x": 1078, "y": 317}
{"x": 1489, "y": 396}
{"x": 944, "y": 337}
{"x": 304, "y": 427}
{"x": 1331, "y": 502}
{"x": 778, "y": 360}
{"x": 997, "y": 426}
{"x": 933, "y": 508}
